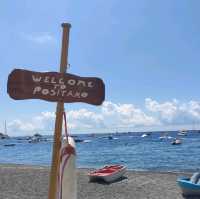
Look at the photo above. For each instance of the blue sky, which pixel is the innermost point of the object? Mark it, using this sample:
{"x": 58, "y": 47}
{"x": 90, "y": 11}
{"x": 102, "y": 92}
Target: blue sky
{"x": 147, "y": 53}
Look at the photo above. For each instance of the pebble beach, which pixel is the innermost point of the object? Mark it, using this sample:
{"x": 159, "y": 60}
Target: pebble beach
{"x": 31, "y": 182}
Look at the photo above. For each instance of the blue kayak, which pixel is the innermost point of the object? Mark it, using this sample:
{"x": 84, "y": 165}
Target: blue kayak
{"x": 188, "y": 187}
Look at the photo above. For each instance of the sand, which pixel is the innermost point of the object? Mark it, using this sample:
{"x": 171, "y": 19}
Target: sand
{"x": 31, "y": 182}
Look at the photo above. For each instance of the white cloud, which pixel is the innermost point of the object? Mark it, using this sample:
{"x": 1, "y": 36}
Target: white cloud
{"x": 174, "y": 112}
{"x": 21, "y": 126}
{"x": 109, "y": 108}
{"x": 43, "y": 122}
{"x": 83, "y": 119}
{"x": 113, "y": 117}
{"x": 127, "y": 114}
{"x": 167, "y": 110}
{"x": 39, "y": 38}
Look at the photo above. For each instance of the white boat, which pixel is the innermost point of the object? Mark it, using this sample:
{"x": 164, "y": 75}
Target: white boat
{"x": 176, "y": 142}
{"x": 145, "y": 135}
{"x": 36, "y": 138}
{"x": 4, "y": 135}
{"x": 108, "y": 173}
{"x": 165, "y": 136}
{"x": 182, "y": 132}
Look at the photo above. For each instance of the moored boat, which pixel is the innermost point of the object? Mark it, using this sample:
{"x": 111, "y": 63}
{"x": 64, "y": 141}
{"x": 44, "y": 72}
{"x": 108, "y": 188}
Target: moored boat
{"x": 108, "y": 173}
{"x": 182, "y": 132}
{"x": 176, "y": 142}
{"x": 8, "y": 145}
{"x": 36, "y": 138}
{"x": 78, "y": 140}
{"x": 3, "y": 136}
{"x": 189, "y": 186}
{"x": 110, "y": 137}
{"x": 146, "y": 134}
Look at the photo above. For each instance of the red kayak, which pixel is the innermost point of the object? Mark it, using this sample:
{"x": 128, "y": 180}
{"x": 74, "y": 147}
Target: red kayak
{"x": 108, "y": 173}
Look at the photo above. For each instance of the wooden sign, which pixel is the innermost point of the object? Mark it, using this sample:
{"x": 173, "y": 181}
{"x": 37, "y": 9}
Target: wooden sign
{"x": 55, "y": 87}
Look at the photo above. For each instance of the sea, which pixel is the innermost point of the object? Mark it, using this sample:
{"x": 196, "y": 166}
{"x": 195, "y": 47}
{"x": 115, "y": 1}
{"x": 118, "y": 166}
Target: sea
{"x": 136, "y": 150}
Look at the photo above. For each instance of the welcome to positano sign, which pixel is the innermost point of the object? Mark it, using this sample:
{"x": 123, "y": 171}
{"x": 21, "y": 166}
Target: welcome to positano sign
{"x": 55, "y": 87}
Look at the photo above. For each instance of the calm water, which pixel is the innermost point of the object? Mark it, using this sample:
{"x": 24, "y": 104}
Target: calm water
{"x": 132, "y": 150}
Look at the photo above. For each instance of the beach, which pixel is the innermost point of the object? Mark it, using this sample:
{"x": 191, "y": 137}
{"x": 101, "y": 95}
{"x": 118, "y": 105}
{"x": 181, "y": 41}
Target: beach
{"x": 31, "y": 182}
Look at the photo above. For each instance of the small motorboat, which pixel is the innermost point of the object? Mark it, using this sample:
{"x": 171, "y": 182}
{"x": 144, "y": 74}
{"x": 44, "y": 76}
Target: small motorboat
{"x": 165, "y": 136}
{"x": 190, "y": 186}
{"x": 176, "y": 142}
{"x": 108, "y": 173}
{"x": 145, "y": 134}
{"x": 110, "y": 137}
{"x": 3, "y": 136}
{"x": 78, "y": 140}
{"x": 34, "y": 140}
{"x": 182, "y": 132}
{"x": 8, "y": 145}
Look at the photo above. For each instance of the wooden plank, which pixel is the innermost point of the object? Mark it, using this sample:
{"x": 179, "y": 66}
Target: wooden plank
{"x": 54, "y": 86}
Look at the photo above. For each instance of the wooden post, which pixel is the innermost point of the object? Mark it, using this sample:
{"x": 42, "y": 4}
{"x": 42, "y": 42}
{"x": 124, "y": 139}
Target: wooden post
{"x": 59, "y": 119}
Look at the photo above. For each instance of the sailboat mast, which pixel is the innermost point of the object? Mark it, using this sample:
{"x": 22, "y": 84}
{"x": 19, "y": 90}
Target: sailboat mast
{"x": 5, "y": 128}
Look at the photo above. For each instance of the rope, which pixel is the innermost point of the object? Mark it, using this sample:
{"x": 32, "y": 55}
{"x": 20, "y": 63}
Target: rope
{"x": 65, "y": 124}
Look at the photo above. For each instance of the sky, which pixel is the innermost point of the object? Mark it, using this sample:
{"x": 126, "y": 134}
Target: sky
{"x": 146, "y": 52}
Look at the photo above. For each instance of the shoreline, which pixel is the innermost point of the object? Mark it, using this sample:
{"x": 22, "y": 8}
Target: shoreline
{"x": 187, "y": 171}
{"x": 31, "y": 182}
